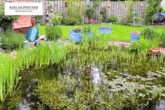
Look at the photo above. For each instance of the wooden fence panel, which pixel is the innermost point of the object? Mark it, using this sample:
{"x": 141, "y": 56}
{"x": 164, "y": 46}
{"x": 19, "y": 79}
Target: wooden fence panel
{"x": 119, "y": 8}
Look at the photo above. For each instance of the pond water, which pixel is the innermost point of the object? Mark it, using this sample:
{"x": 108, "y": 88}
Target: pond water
{"x": 92, "y": 81}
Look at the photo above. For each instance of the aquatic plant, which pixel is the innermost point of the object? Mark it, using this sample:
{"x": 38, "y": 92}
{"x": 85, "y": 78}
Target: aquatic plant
{"x": 121, "y": 69}
{"x": 14, "y": 99}
{"x": 75, "y": 94}
{"x": 144, "y": 45}
{"x": 44, "y": 54}
{"x": 156, "y": 92}
{"x": 131, "y": 65}
{"x": 128, "y": 77}
{"x": 8, "y": 73}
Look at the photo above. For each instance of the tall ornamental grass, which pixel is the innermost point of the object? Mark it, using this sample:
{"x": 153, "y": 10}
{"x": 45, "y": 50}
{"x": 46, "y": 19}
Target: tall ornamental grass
{"x": 45, "y": 54}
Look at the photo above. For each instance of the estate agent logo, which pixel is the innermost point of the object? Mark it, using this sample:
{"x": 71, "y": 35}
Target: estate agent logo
{"x": 23, "y": 9}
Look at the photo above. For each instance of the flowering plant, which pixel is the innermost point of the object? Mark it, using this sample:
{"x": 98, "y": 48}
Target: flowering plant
{"x": 87, "y": 27}
{"x": 91, "y": 21}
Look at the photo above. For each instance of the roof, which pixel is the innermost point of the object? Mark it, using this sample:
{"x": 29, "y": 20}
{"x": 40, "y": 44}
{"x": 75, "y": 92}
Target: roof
{"x": 23, "y": 21}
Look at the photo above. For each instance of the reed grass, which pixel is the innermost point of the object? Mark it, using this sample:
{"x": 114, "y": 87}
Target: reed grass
{"x": 8, "y": 72}
{"x": 45, "y": 54}
{"x": 75, "y": 57}
{"x": 118, "y": 57}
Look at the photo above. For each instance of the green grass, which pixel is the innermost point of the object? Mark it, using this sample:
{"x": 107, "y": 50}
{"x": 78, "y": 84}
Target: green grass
{"x": 119, "y": 33}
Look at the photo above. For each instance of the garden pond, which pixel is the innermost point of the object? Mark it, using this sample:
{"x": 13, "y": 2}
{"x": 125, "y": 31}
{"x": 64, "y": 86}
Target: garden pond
{"x": 93, "y": 79}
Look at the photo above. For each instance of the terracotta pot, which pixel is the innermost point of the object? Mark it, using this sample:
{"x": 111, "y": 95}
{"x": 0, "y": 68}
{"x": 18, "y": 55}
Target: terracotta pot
{"x": 109, "y": 5}
{"x": 155, "y": 50}
{"x": 106, "y": 27}
{"x": 135, "y": 32}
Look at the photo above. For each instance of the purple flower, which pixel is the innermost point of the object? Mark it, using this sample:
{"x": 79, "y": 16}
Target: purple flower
{"x": 91, "y": 20}
{"x": 86, "y": 19}
{"x": 96, "y": 21}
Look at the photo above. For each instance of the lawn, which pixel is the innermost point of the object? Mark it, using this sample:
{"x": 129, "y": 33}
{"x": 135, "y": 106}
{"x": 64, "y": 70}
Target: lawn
{"x": 119, "y": 33}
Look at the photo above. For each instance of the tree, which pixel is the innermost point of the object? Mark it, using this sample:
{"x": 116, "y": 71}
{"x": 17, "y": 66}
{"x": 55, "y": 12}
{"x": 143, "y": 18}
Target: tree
{"x": 152, "y": 8}
{"x": 5, "y": 21}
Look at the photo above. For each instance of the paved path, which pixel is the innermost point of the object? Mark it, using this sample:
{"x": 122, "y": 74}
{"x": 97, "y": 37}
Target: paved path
{"x": 162, "y": 50}
{"x": 123, "y": 44}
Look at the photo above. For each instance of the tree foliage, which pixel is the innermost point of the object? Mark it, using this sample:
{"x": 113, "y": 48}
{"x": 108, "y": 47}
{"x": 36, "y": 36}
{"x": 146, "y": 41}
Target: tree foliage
{"x": 152, "y": 8}
{"x": 5, "y": 21}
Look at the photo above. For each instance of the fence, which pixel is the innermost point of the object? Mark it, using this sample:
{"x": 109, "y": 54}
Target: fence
{"x": 120, "y": 9}
{"x": 21, "y": 0}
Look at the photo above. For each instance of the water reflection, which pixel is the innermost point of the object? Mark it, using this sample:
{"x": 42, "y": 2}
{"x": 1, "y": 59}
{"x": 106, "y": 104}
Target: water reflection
{"x": 160, "y": 106}
{"x": 96, "y": 74}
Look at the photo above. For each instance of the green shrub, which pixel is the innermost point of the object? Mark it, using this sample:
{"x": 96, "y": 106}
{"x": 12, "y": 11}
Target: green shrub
{"x": 162, "y": 39}
{"x": 12, "y": 40}
{"x": 38, "y": 19}
{"x": 90, "y": 13}
{"x": 6, "y": 21}
{"x": 152, "y": 8}
{"x": 56, "y": 19}
{"x": 79, "y": 21}
{"x": 103, "y": 12}
{"x": 70, "y": 21}
{"x": 150, "y": 33}
{"x": 113, "y": 19}
{"x": 144, "y": 45}
{"x": 124, "y": 22}
{"x": 53, "y": 32}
